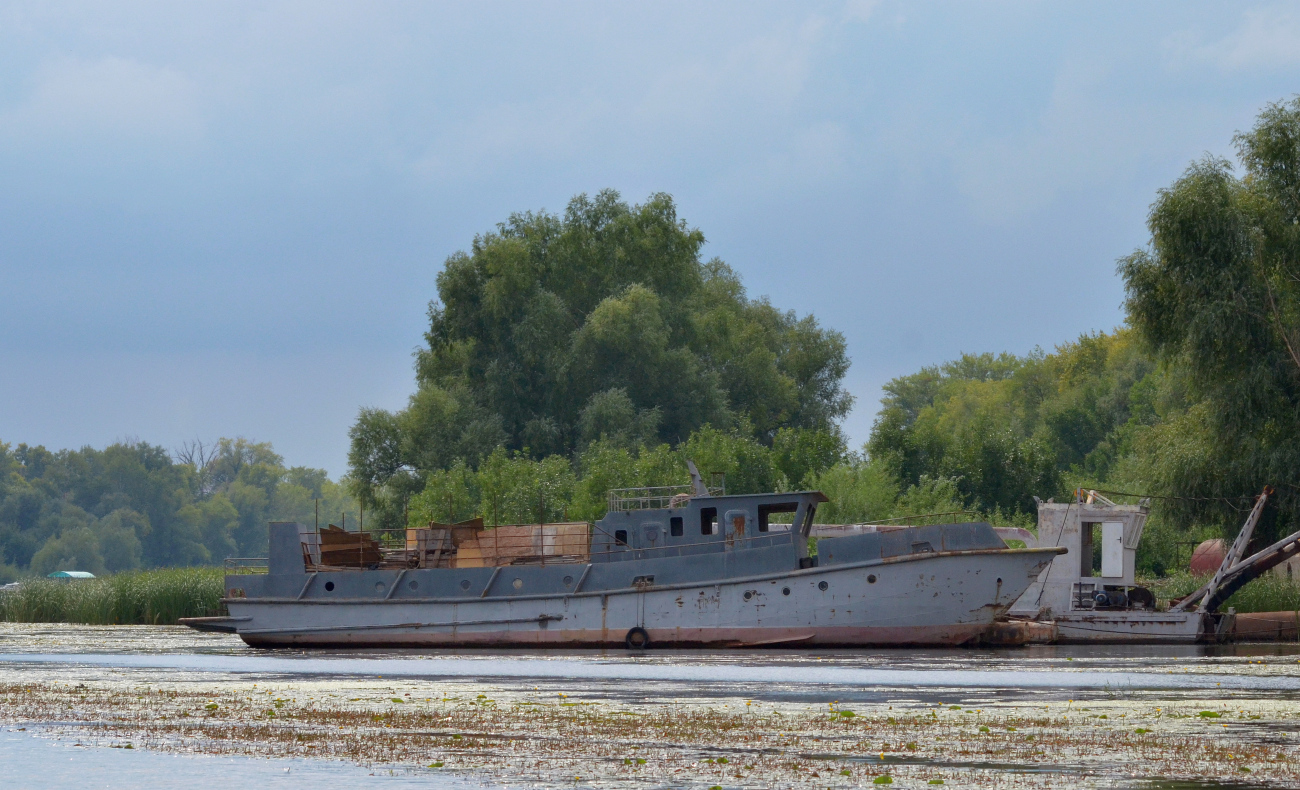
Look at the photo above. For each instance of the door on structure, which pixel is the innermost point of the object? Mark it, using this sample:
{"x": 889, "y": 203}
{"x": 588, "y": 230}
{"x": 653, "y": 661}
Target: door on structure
{"x": 1112, "y": 549}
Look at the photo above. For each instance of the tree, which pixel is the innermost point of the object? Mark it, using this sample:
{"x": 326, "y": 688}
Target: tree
{"x": 1005, "y": 429}
{"x": 1217, "y": 294}
{"x": 553, "y": 332}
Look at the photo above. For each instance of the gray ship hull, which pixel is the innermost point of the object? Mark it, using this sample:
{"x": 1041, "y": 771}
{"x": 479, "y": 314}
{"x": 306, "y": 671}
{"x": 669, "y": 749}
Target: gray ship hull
{"x": 932, "y": 598}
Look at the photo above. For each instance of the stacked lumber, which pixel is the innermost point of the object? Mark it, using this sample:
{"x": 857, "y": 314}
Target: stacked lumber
{"x": 525, "y": 544}
{"x": 342, "y": 549}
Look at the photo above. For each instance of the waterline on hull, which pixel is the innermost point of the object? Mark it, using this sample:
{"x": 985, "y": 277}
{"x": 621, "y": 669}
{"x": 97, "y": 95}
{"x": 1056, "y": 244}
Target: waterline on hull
{"x": 421, "y": 636}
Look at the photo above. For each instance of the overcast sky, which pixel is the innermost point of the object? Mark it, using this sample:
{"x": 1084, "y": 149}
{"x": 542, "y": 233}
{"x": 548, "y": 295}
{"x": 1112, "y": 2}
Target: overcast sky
{"x": 226, "y": 219}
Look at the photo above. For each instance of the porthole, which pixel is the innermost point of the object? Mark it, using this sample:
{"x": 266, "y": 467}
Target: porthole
{"x": 464, "y": 584}
{"x": 823, "y": 586}
{"x": 749, "y": 594}
{"x": 380, "y": 587}
{"x": 329, "y": 586}
{"x": 871, "y": 578}
{"x": 568, "y": 581}
{"x": 785, "y": 590}
{"x": 999, "y": 580}
{"x": 413, "y": 584}
{"x": 518, "y": 584}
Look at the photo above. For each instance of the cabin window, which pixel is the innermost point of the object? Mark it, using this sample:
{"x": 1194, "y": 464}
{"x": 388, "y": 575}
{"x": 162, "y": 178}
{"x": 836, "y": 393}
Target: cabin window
{"x": 708, "y": 520}
{"x": 620, "y": 537}
{"x": 765, "y": 514}
{"x": 675, "y": 526}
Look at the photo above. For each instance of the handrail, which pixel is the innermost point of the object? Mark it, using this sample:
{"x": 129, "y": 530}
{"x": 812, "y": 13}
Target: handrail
{"x": 654, "y": 497}
{"x": 239, "y": 565}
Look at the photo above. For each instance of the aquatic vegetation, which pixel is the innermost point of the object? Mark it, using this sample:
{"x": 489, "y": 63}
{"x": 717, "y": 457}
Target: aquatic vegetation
{"x": 157, "y": 597}
{"x": 689, "y": 745}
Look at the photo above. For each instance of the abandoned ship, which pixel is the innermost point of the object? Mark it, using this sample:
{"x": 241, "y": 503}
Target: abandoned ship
{"x": 685, "y": 566}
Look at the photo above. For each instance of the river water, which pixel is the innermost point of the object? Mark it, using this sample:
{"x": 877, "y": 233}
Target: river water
{"x": 1266, "y": 674}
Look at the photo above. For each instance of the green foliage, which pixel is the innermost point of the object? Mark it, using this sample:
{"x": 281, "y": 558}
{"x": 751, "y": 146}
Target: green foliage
{"x": 512, "y": 488}
{"x": 1004, "y": 429}
{"x": 859, "y": 492}
{"x": 1217, "y": 295}
{"x": 515, "y": 489}
{"x": 602, "y": 326}
{"x": 604, "y": 466}
{"x": 133, "y": 506}
{"x": 158, "y": 597}
{"x": 1268, "y": 593}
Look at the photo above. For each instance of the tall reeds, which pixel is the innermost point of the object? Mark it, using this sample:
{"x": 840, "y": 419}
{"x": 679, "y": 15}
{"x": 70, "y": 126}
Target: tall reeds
{"x": 1268, "y": 593}
{"x": 158, "y": 597}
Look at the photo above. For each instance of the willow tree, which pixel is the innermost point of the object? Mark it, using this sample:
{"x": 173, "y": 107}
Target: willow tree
{"x": 552, "y": 332}
{"x": 1217, "y": 295}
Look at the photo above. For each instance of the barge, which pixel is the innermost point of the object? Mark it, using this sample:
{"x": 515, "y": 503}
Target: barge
{"x": 690, "y": 567}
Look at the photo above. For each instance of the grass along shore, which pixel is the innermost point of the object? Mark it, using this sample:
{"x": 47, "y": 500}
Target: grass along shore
{"x": 157, "y": 597}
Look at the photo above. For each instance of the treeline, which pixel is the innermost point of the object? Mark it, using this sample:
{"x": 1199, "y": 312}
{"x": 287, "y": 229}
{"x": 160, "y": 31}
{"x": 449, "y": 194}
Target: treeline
{"x": 135, "y": 505}
{"x": 1005, "y": 429}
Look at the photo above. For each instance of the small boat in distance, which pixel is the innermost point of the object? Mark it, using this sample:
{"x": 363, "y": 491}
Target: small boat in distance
{"x": 665, "y": 567}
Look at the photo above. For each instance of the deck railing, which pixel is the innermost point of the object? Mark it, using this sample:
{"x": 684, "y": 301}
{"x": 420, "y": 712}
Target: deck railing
{"x": 653, "y": 497}
{"x": 236, "y": 565}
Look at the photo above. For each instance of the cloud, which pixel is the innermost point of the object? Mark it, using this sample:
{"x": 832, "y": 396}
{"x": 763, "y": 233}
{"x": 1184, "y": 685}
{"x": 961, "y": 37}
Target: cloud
{"x": 109, "y": 97}
{"x": 730, "y": 96}
{"x": 1267, "y": 38}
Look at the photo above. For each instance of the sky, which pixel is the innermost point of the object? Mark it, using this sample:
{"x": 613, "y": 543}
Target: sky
{"x": 227, "y": 218}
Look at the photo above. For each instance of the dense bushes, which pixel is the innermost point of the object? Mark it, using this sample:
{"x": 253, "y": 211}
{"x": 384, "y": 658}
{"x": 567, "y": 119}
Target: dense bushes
{"x": 510, "y": 487}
